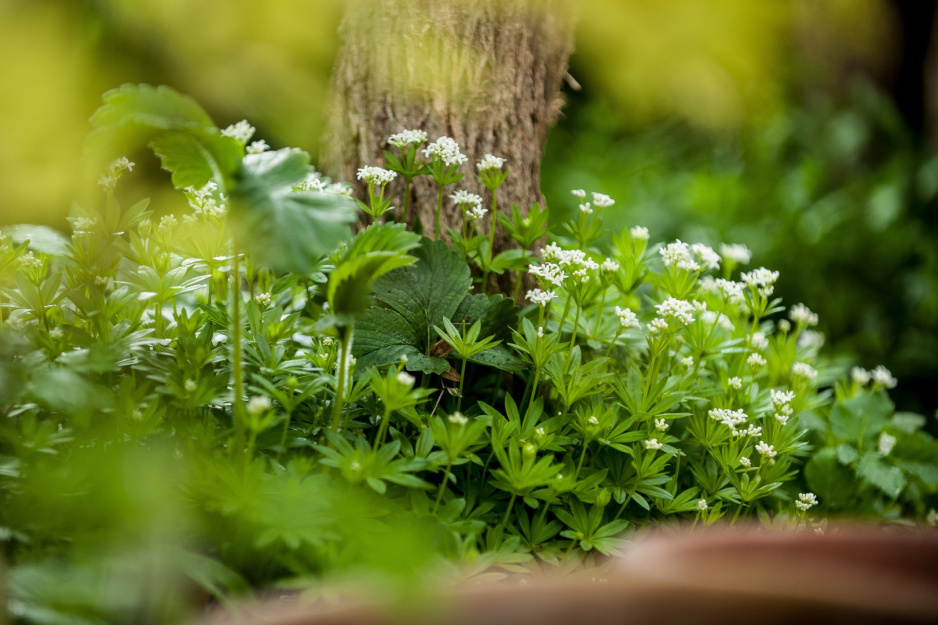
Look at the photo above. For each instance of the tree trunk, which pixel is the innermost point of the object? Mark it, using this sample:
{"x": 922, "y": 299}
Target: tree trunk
{"x": 486, "y": 73}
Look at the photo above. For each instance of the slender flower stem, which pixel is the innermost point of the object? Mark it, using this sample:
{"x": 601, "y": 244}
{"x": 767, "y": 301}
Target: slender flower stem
{"x": 406, "y": 200}
{"x": 439, "y": 496}
{"x": 599, "y": 316}
{"x": 462, "y": 379}
{"x": 511, "y": 505}
{"x": 576, "y": 328}
{"x": 439, "y": 210}
{"x": 383, "y": 428}
{"x": 345, "y": 345}
{"x": 237, "y": 373}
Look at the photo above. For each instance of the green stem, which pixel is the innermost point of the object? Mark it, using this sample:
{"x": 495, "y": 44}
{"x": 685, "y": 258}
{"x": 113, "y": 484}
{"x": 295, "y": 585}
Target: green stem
{"x": 238, "y": 405}
{"x": 345, "y": 344}
{"x": 576, "y": 328}
{"x": 286, "y": 428}
{"x": 383, "y": 428}
{"x": 462, "y": 379}
{"x": 511, "y": 504}
{"x": 439, "y": 210}
{"x": 599, "y": 316}
{"x": 518, "y": 279}
{"x": 406, "y": 200}
{"x": 439, "y": 496}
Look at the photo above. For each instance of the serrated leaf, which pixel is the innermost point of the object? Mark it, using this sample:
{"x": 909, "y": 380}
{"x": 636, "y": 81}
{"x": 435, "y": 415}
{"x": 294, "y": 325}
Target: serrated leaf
{"x": 861, "y": 418}
{"x": 193, "y": 159}
{"x": 41, "y": 238}
{"x": 875, "y": 470}
{"x": 282, "y": 229}
{"x": 833, "y": 484}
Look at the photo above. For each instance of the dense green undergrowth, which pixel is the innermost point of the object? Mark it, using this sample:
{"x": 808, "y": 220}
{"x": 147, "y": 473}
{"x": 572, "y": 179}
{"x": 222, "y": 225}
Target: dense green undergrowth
{"x": 250, "y": 396}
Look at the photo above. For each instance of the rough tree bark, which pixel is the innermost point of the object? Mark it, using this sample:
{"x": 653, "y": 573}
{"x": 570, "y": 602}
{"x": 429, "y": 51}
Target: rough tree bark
{"x": 487, "y": 73}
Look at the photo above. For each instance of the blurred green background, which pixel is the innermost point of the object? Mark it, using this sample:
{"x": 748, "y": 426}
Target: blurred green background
{"x": 799, "y": 128}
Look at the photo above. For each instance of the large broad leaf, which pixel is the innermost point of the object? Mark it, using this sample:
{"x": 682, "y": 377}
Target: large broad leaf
{"x": 185, "y": 138}
{"x": 373, "y": 252}
{"x": 833, "y": 483}
{"x": 416, "y": 298}
{"x": 283, "y": 229}
{"x": 861, "y": 418}
{"x": 875, "y": 470}
{"x": 41, "y": 238}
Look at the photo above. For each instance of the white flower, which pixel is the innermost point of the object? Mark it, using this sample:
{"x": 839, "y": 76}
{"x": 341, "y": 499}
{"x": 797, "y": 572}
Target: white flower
{"x": 803, "y": 370}
{"x": 735, "y": 383}
{"x": 639, "y": 233}
{"x": 783, "y": 325}
{"x": 627, "y": 318}
{"x": 688, "y": 361}
{"x": 883, "y": 377}
{"x": 661, "y": 425}
{"x": 745, "y": 462}
{"x": 767, "y": 451}
{"x": 652, "y": 444}
{"x": 759, "y": 341}
{"x": 240, "y": 132}
{"x": 406, "y": 137}
{"x": 586, "y": 208}
{"x": 861, "y": 375}
{"x": 701, "y": 504}
{"x": 736, "y": 252}
{"x": 328, "y": 341}
{"x": 376, "y": 175}
{"x": 752, "y": 431}
{"x": 678, "y": 255}
{"x": 258, "y": 405}
{"x": 190, "y": 386}
{"x": 458, "y": 419}
{"x": 657, "y": 325}
{"x": 706, "y": 257}
{"x": 539, "y": 297}
{"x": 729, "y": 418}
{"x": 782, "y": 418}
{"x": 580, "y": 193}
{"x": 257, "y": 147}
{"x": 806, "y": 501}
{"x": 609, "y": 265}
{"x": 886, "y": 443}
{"x": 593, "y": 421}
{"x": 477, "y": 213}
{"x": 447, "y": 150}
{"x": 464, "y": 197}
{"x": 601, "y": 200}
{"x": 761, "y": 280}
{"x": 676, "y": 309}
{"x": 114, "y": 171}
{"x": 405, "y": 379}
{"x": 756, "y": 361}
{"x": 403, "y": 359}
{"x": 490, "y": 162}
{"x": 802, "y": 315}
{"x": 540, "y": 332}
{"x": 56, "y": 333}
{"x": 811, "y": 339}
{"x": 263, "y": 300}
{"x": 550, "y": 272}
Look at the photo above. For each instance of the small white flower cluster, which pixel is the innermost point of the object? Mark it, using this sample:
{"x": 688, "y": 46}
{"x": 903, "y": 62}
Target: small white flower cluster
{"x": 240, "y": 132}
{"x": 549, "y": 272}
{"x": 490, "y": 162}
{"x": 447, "y": 150}
{"x": 464, "y": 198}
{"x": 652, "y": 444}
{"x": 476, "y": 213}
{"x": 688, "y": 361}
{"x": 745, "y": 462}
{"x": 804, "y": 371}
{"x": 257, "y": 147}
{"x": 802, "y": 315}
{"x": 258, "y": 405}
{"x": 457, "y": 418}
{"x": 80, "y": 225}
{"x": 657, "y": 326}
{"x": 376, "y": 175}
{"x": 678, "y": 255}
{"x": 601, "y": 200}
{"x": 735, "y": 383}
{"x": 661, "y": 425}
{"x": 781, "y": 403}
{"x": 676, "y": 309}
{"x": 702, "y": 505}
{"x": 736, "y": 252}
{"x": 756, "y": 361}
{"x": 263, "y": 300}
{"x": 593, "y": 420}
{"x": 203, "y": 201}
{"x": 886, "y": 443}
{"x": 579, "y": 263}
{"x": 540, "y": 297}
{"x": 627, "y": 318}
{"x": 761, "y": 280}
{"x": 729, "y": 418}
{"x": 114, "y": 171}
{"x": 767, "y": 451}
{"x": 405, "y": 379}
{"x": 609, "y": 266}
{"x": 759, "y": 341}
{"x": 407, "y": 137}
{"x": 731, "y": 291}
{"x": 880, "y": 376}
{"x": 639, "y": 233}
{"x": 806, "y": 501}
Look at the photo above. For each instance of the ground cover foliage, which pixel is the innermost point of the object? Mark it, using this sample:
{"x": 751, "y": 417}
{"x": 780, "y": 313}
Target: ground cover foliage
{"x": 252, "y": 396}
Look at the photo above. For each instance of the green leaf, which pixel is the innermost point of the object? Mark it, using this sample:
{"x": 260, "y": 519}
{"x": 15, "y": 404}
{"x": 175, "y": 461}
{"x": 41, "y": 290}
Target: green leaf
{"x": 176, "y": 128}
{"x": 282, "y": 229}
{"x": 414, "y": 299}
{"x": 861, "y": 418}
{"x": 875, "y": 470}
{"x": 832, "y": 483}
{"x": 41, "y": 238}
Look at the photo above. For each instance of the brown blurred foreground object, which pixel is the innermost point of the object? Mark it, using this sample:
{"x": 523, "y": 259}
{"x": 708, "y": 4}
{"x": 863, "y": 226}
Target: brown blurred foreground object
{"x": 851, "y": 575}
